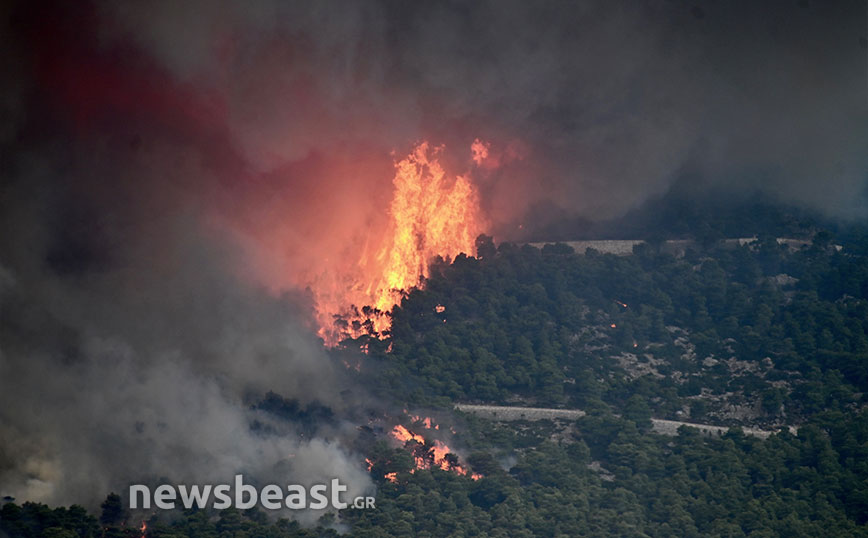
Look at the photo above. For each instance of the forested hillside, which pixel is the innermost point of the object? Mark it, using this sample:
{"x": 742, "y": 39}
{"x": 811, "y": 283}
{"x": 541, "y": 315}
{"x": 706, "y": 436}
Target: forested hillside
{"x": 757, "y": 335}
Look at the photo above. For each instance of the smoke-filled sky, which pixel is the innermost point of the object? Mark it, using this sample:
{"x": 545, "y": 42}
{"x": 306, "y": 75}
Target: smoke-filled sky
{"x": 175, "y": 173}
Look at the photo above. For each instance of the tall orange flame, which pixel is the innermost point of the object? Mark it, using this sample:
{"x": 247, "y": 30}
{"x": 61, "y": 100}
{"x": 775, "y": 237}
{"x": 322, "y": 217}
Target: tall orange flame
{"x": 430, "y": 215}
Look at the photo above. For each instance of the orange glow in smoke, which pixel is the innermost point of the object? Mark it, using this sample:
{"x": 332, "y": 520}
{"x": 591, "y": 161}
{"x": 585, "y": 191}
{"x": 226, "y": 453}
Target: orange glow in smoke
{"x": 479, "y": 150}
{"x": 431, "y": 214}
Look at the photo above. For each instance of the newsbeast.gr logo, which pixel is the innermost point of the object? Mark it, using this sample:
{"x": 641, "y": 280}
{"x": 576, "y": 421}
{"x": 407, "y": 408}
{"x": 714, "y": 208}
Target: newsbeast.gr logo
{"x": 244, "y": 496}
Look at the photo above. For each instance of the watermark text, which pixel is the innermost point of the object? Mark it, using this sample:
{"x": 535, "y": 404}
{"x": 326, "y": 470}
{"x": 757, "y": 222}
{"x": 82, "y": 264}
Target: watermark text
{"x": 245, "y": 496}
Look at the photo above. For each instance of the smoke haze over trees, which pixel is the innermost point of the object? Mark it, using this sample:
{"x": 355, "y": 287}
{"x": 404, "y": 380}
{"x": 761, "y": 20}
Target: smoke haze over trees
{"x": 173, "y": 175}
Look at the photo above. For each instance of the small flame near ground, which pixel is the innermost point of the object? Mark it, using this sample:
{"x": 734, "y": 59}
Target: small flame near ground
{"x": 431, "y": 215}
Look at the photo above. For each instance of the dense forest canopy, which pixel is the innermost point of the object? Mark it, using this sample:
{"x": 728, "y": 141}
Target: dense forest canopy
{"x": 755, "y": 335}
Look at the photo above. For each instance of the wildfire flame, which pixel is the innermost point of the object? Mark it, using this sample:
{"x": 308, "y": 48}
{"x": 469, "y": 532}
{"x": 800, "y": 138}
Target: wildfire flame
{"x": 430, "y": 215}
{"x": 434, "y": 454}
{"x": 403, "y": 434}
{"x": 426, "y": 422}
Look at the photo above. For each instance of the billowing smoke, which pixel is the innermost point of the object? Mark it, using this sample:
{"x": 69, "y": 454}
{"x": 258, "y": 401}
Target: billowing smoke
{"x": 176, "y": 173}
{"x": 295, "y": 109}
{"x": 134, "y": 342}
{"x": 142, "y": 360}
{"x": 615, "y": 101}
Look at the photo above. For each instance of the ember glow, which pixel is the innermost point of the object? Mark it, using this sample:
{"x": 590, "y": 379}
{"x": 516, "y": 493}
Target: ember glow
{"x": 479, "y": 149}
{"x": 431, "y": 215}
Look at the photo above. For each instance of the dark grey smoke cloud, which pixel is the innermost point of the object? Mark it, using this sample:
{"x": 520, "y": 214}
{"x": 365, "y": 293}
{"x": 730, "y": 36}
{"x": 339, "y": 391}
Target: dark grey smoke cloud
{"x": 139, "y": 362}
{"x": 132, "y": 346}
{"x": 132, "y": 334}
{"x": 615, "y": 99}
